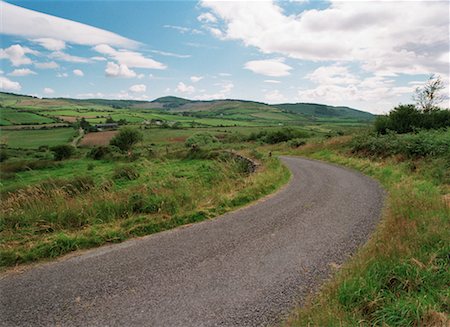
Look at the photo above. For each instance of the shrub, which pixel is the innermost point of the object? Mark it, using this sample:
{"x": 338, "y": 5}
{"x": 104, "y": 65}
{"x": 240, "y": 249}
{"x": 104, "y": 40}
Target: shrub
{"x": 277, "y": 136}
{"x": 421, "y": 144}
{"x": 62, "y": 152}
{"x": 3, "y": 155}
{"x": 126, "y": 173}
{"x": 200, "y": 139}
{"x": 23, "y": 165}
{"x": 407, "y": 118}
{"x": 126, "y": 138}
{"x": 99, "y": 153}
{"x": 295, "y": 143}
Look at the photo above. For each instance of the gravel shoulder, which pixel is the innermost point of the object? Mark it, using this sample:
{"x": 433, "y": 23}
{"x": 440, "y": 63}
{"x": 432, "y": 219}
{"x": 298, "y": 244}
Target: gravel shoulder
{"x": 245, "y": 268}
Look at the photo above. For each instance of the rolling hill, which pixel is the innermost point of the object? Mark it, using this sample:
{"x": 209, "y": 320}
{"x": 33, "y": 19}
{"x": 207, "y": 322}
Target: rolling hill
{"x": 227, "y": 112}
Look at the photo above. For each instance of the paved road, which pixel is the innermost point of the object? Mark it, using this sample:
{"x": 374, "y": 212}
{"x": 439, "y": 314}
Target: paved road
{"x": 246, "y": 268}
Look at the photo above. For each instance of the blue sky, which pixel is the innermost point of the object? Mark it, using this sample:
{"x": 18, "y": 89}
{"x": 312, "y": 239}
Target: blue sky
{"x": 369, "y": 55}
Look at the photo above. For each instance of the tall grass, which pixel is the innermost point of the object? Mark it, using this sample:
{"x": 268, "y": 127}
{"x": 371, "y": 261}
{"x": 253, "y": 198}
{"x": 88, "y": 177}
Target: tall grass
{"x": 58, "y": 216}
{"x": 401, "y": 276}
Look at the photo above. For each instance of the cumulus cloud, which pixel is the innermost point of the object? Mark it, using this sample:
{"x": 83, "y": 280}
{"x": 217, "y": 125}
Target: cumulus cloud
{"x": 222, "y": 93}
{"x": 274, "y": 96}
{"x": 48, "y": 90}
{"x": 39, "y": 26}
{"x": 50, "y": 44}
{"x": 118, "y": 70}
{"x": 78, "y": 72}
{"x": 196, "y": 79}
{"x": 207, "y": 17}
{"x": 16, "y": 54}
{"x": 129, "y": 58}
{"x": 336, "y": 85}
{"x": 62, "y": 75}
{"x": 7, "y": 85}
{"x": 22, "y": 72}
{"x": 184, "y": 88}
{"x": 138, "y": 88}
{"x": 269, "y": 67}
{"x": 417, "y": 36}
{"x": 46, "y": 65}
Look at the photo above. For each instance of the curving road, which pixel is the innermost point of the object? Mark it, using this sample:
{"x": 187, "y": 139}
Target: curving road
{"x": 245, "y": 268}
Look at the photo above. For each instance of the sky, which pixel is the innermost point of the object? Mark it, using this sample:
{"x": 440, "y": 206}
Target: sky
{"x": 369, "y": 55}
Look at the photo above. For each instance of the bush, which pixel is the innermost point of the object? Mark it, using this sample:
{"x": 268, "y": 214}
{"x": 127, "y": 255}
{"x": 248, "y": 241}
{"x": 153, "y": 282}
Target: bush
{"x": 295, "y": 143}
{"x": 407, "y": 119}
{"x": 99, "y": 153}
{"x": 62, "y": 152}
{"x": 126, "y": 138}
{"x": 421, "y": 144}
{"x": 3, "y": 155}
{"x": 200, "y": 139}
{"x": 126, "y": 173}
{"x": 277, "y": 136}
{"x": 23, "y": 165}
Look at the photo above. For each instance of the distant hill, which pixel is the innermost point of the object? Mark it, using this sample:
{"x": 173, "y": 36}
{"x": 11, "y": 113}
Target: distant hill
{"x": 239, "y": 112}
{"x": 321, "y": 110}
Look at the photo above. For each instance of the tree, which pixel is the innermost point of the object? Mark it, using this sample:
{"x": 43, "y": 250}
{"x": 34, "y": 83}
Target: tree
{"x": 84, "y": 124}
{"x": 61, "y": 152}
{"x": 126, "y": 138}
{"x": 429, "y": 96}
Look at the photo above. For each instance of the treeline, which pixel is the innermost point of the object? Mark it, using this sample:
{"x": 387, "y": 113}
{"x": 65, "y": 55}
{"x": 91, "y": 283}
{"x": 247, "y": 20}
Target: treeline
{"x": 408, "y": 118}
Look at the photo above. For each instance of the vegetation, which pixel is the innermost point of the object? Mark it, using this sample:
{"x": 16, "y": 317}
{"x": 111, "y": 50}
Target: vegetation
{"x": 126, "y": 138}
{"x": 62, "y": 152}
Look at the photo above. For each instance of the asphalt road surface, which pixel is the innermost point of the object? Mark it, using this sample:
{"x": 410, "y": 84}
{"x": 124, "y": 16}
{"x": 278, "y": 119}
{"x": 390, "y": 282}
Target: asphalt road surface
{"x": 245, "y": 268}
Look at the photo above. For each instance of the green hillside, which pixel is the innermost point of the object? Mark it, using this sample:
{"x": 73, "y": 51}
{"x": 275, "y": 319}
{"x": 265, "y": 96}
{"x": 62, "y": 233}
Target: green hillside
{"x": 20, "y": 109}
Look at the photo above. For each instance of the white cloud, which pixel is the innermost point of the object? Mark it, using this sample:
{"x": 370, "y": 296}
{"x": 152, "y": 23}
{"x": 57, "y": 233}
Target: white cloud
{"x": 50, "y": 44}
{"x": 62, "y": 75}
{"x": 225, "y": 89}
{"x": 183, "y": 30}
{"x": 389, "y": 37}
{"x": 78, "y": 72}
{"x": 129, "y": 58}
{"x": 7, "y": 85}
{"x": 118, "y": 70}
{"x": 272, "y": 81}
{"x": 335, "y": 85}
{"x": 98, "y": 58}
{"x": 170, "y": 54}
{"x": 138, "y": 88}
{"x": 196, "y": 79}
{"x": 184, "y": 88}
{"x": 46, "y": 65}
{"x": 48, "y": 90}
{"x": 35, "y": 25}
{"x": 207, "y": 17}
{"x": 275, "y": 96}
{"x": 335, "y": 74}
{"x": 17, "y": 54}
{"x": 269, "y": 67}
{"x": 59, "y": 55}
{"x": 22, "y": 72}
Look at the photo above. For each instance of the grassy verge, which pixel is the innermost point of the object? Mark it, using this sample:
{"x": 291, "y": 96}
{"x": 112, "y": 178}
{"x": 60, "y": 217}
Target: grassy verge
{"x": 60, "y": 215}
{"x": 401, "y": 276}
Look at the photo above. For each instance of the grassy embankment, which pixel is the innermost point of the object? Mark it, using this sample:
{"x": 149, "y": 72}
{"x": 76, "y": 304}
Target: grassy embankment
{"x": 401, "y": 276}
{"x": 82, "y": 203}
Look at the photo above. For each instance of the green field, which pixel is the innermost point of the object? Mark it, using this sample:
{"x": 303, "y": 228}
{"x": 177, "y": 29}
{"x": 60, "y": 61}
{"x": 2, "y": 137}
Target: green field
{"x": 13, "y": 117}
{"x": 33, "y": 139}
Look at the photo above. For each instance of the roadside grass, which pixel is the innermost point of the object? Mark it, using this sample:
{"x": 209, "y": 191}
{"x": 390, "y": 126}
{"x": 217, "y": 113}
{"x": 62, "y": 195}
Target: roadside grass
{"x": 401, "y": 276}
{"x": 62, "y": 214}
